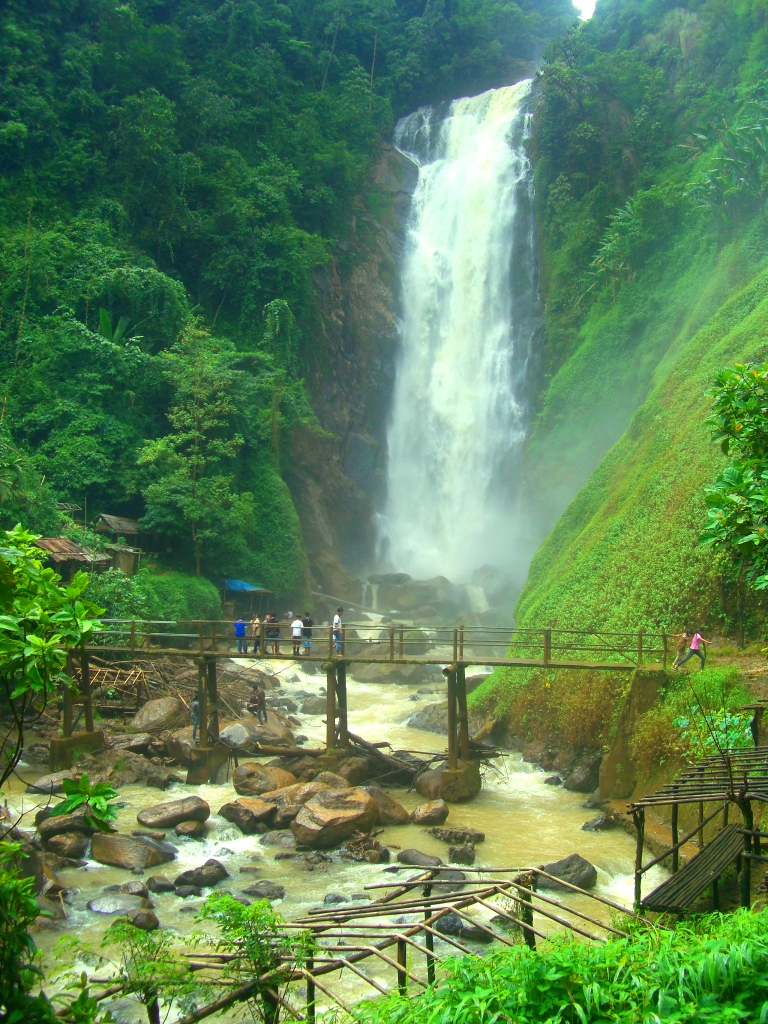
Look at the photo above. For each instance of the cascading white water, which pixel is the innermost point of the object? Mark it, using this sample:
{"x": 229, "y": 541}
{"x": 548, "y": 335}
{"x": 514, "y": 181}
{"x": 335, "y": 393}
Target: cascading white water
{"x": 470, "y": 314}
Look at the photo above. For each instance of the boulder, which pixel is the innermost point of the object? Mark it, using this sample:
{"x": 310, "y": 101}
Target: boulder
{"x": 130, "y": 852}
{"x": 601, "y": 823}
{"x": 159, "y": 883}
{"x": 354, "y": 770}
{"x": 189, "y": 808}
{"x": 53, "y": 783}
{"x": 429, "y": 784}
{"x": 150, "y": 833}
{"x": 188, "y": 890}
{"x": 68, "y": 844}
{"x": 574, "y": 869}
{"x": 390, "y": 811}
{"x": 332, "y": 816}
{"x": 147, "y": 920}
{"x": 462, "y": 783}
{"x": 451, "y": 881}
{"x": 585, "y": 776}
{"x": 414, "y": 595}
{"x": 135, "y": 888}
{"x": 281, "y": 837}
{"x": 265, "y": 890}
{"x": 457, "y": 834}
{"x": 158, "y": 715}
{"x": 553, "y": 780}
{"x": 253, "y": 779}
{"x": 314, "y": 706}
{"x": 298, "y": 794}
{"x": 245, "y": 734}
{"x": 249, "y": 813}
{"x": 432, "y": 718}
{"x": 418, "y": 859}
{"x": 118, "y": 903}
{"x": 205, "y": 876}
{"x": 331, "y": 780}
{"x": 191, "y": 830}
{"x": 56, "y": 824}
{"x": 460, "y": 928}
{"x": 463, "y": 854}
{"x": 139, "y": 743}
{"x": 285, "y": 814}
{"x": 433, "y": 813}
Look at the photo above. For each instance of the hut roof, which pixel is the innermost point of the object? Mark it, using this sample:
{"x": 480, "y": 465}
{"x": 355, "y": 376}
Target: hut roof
{"x": 62, "y": 549}
{"x": 119, "y": 524}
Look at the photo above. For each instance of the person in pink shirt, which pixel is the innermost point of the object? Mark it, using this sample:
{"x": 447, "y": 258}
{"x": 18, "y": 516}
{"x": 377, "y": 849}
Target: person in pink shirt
{"x": 695, "y": 648}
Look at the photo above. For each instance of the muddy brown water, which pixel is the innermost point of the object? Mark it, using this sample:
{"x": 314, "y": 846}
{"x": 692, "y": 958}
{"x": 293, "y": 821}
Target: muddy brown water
{"x": 525, "y": 822}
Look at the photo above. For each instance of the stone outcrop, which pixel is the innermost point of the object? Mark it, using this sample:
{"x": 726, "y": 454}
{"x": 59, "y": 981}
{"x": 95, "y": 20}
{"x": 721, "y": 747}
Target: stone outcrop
{"x": 130, "y": 852}
{"x": 265, "y": 890}
{"x": 433, "y": 813}
{"x": 68, "y": 844}
{"x": 253, "y": 779}
{"x": 390, "y": 811}
{"x": 334, "y": 815}
{"x": 355, "y": 770}
{"x": 249, "y": 813}
{"x": 244, "y": 735}
{"x": 574, "y": 869}
{"x": 51, "y": 825}
{"x": 457, "y": 834}
{"x": 585, "y": 775}
{"x": 191, "y": 830}
{"x": 314, "y": 706}
{"x": 189, "y": 808}
{"x": 158, "y": 715}
{"x": 463, "y": 854}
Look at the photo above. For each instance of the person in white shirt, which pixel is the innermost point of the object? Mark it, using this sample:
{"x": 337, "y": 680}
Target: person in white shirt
{"x": 337, "y": 628}
{"x": 297, "y": 627}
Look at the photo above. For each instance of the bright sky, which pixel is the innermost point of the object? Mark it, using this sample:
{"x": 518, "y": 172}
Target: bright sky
{"x": 585, "y": 7}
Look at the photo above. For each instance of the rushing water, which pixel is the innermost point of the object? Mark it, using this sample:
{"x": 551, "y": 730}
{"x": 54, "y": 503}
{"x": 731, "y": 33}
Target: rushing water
{"x": 525, "y": 821}
{"x": 471, "y": 314}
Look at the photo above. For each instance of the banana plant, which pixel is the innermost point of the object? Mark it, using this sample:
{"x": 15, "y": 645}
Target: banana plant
{"x": 105, "y": 327}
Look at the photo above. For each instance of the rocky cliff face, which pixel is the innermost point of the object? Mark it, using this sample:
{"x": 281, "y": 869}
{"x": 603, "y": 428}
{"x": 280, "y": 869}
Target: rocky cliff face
{"x": 337, "y": 473}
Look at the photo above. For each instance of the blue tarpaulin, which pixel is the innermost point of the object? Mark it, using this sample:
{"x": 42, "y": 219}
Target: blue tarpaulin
{"x": 240, "y": 585}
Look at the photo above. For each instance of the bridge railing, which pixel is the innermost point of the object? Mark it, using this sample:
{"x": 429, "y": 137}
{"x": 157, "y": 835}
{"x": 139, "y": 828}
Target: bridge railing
{"x": 391, "y": 641}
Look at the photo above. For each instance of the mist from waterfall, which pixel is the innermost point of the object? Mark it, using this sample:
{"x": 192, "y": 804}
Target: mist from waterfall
{"x": 470, "y": 317}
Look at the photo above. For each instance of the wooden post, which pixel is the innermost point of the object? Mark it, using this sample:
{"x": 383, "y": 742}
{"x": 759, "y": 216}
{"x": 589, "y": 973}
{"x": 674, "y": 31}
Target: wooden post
{"x": 547, "y": 646}
{"x": 639, "y": 816}
{"x": 311, "y": 1005}
{"x": 391, "y": 643}
{"x": 452, "y": 753}
{"x": 202, "y": 731}
{"x": 701, "y": 825}
{"x": 640, "y": 649}
{"x": 675, "y": 853}
{"x": 527, "y": 880}
{"x": 147, "y": 635}
{"x": 746, "y": 864}
{"x": 402, "y": 977}
{"x": 455, "y": 646}
{"x": 401, "y": 632}
{"x": 664, "y": 640}
{"x": 461, "y": 698}
{"x": 66, "y": 723}
{"x": 200, "y": 640}
{"x": 429, "y": 940}
{"x": 85, "y": 689}
{"x": 461, "y": 643}
{"x": 330, "y": 641}
{"x": 213, "y": 636}
{"x": 341, "y": 693}
{"x": 133, "y": 636}
{"x": 330, "y": 706}
{"x": 213, "y": 699}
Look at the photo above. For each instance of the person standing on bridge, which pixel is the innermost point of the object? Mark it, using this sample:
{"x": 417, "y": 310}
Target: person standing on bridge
{"x": 297, "y": 628}
{"x": 242, "y": 643}
{"x": 256, "y": 633}
{"x": 307, "y": 625}
{"x": 695, "y": 648}
{"x": 337, "y": 629}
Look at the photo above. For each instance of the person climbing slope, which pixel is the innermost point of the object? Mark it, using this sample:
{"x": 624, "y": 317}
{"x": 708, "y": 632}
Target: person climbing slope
{"x": 680, "y": 646}
{"x": 695, "y": 648}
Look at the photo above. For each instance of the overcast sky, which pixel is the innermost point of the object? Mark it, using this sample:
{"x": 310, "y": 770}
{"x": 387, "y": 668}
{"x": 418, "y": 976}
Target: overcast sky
{"x": 586, "y": 7}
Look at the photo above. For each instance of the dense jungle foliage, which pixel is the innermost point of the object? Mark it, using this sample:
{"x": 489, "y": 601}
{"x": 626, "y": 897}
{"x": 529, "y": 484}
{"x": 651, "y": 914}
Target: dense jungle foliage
{"x": 652, "y": 176}
{"x": 171, "y": 174}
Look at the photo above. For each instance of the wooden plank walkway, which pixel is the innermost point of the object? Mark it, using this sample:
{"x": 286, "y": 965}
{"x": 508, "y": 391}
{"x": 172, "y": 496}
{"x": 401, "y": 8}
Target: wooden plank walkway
{"x": 677, "y": 893}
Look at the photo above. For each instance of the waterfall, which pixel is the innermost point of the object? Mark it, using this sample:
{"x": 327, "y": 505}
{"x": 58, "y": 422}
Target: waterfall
{"x": 470, "y": 318}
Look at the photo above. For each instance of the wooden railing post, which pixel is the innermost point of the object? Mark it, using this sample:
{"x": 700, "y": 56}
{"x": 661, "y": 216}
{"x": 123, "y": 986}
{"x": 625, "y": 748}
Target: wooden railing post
{"x": 402, "y": 976}
{"x": 213, "y": 699}
{"x": 133, "y": 636}
{"x": 547, "y": 646}
{"x": 330, "y": 705}
{"x": 461, "y": 643}
{"x": 640, "y": 649}
{"x": 391, "y": 643}
{"x": 664, "y": 642}
{"x": 455, "y": 646}
{"x": 202, "y": 729}
{"x": 639, "y": 815}
{"x": 311, "y": 1003}
{"x": 452, "y": 753}
{"x": 675, "y": 853}
{"x": 66, "y": 722}
{"x": 401, "y": 632}
{"x": 461, "y": 699}
{"x": 330, "y": 641}
{"x": 85, "y": 689}
{"x": 200, "y": 640}
{"x": 341, "y": 693}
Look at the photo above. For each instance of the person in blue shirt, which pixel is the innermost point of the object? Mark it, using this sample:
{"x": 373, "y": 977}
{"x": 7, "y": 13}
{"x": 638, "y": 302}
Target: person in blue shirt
{"x": 242, "y": 643}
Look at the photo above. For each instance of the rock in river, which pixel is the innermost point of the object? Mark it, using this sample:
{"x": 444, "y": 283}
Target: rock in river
{"x": 418, "y": 859}
{"x": 157, "y": 715}
{"x": 458, "y": 927}
{"x": 145, "y": 919}
{"x": 314, "y": 706}
{"x": 245, "y": 734}
{"x": 205, "y": 876}
{"x": 332, "y": 816}
{"x": 433, "y": 813}
{"x": 130, "y": 852}
{"x": 51, "y": 783}
{"x": 463, "y": 854}
{"x": 189, "y": 808}
{"x": 457, "y": 834}
{"x": 252, "y": 779}
{"x": 265, "y": 890}
{"x": 55, "y": 824}
{"x": 574, "y": 869}
{"x": 159, "y": 883}
{"x": 191, "y": 830}
{"x": 390, "y": 811}
{"x": 68, "y": 844}
{"x": 118, "y": 903}
{"x": 249, "y": 813}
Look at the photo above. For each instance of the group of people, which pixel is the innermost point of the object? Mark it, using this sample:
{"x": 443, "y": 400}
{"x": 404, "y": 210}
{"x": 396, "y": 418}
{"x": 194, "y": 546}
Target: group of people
{"x": 301, "y": 633}
{"x": 691, "y": 639}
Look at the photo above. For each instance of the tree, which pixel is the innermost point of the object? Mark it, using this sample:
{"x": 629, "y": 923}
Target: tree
{"x": 737, "y": 504}
{"x": 191, "y": 489}
{"x": 40, "y": 620}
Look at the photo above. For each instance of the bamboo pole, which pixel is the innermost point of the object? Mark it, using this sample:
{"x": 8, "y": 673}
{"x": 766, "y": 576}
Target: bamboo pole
{"x": 330, "y": 705}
